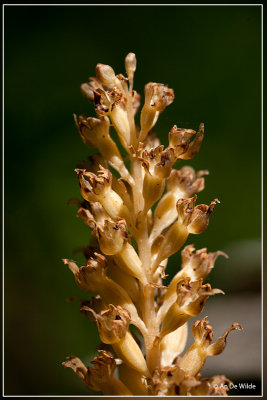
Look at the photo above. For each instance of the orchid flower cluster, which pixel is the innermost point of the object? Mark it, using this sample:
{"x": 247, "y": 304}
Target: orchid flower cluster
{"x": 141, "y": 211}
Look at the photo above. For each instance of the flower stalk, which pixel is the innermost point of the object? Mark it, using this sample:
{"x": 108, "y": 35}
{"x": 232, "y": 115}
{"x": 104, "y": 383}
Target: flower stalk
{"x": 138, "y": 220}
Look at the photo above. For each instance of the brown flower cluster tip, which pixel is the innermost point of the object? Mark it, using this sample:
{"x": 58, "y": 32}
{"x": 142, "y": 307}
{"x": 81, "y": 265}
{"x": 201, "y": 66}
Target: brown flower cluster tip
{"x": 140, "y": 211}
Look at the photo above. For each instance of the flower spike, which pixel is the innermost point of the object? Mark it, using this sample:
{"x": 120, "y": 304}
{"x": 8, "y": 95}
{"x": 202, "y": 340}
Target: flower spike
{"x": 140, "y": 211}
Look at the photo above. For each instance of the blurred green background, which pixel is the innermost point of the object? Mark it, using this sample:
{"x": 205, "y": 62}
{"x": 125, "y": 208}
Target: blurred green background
{"x": 211, "y": 57}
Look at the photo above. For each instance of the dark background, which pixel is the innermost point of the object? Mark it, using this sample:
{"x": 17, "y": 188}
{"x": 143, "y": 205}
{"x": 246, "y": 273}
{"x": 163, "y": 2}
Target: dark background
{"x": 211, "y": 57}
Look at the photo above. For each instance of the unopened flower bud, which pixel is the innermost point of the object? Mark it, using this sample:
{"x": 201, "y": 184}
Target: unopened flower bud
{"x": 130, "y": 65}
{"x": 105, "y": 74}
{"x": 87, "y": 91}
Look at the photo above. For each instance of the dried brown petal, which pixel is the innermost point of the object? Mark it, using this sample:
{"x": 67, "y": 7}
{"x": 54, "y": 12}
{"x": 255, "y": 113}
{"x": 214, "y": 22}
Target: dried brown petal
{"x": 76, "y": 364}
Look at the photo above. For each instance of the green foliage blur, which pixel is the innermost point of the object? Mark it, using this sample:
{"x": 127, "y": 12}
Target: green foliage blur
{"x": 211, "y": 57}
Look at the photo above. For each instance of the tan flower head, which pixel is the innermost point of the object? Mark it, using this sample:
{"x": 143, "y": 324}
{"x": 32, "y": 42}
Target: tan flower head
{"x": 196, "y": 355}
{"x": 186, "y": 180}
{"x": 92, "y": 130}
{"x": 112, "y": 236}
{"x": 104, "y": 367}
{"x": 195, "y": 218}
{"x": 90, "y": 276}
{"x": 92, "y": 184}
{"x": 179, "y": 139}
{"x": 190, "y": 300}
{"x": 98, "y": 188}
{"x": 157, "y": 162}
{"x": 158, "y": 96}
{"x": 112, "y": 323}
{"x": 199, "y": 262}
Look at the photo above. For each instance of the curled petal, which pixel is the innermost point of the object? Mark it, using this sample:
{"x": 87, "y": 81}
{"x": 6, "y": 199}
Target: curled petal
{"x": 194, "y": 146}
{"x": 76, "y": 365}
{"x": 202, "y": 332}
{"x": 92, "y": 307}
{"x": 217, "y": 347}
